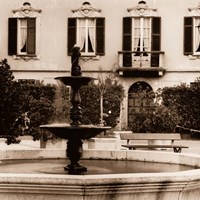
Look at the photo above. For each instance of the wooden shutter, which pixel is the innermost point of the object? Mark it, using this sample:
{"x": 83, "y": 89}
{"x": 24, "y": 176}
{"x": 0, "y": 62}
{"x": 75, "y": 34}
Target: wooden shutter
{"x": 100, "y": 36}
{"x": 127, "y": 41}
{"x": 156, "y": 38}
{"x": 31, "y": 35}
{"x": 188, "y": 35}
{"x": 71, "y": 35}
{"x": 12, "y": 36}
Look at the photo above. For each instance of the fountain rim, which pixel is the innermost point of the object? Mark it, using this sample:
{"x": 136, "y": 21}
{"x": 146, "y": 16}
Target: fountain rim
{"x": 76, "y": 186}
{"x": 181, "y": 177}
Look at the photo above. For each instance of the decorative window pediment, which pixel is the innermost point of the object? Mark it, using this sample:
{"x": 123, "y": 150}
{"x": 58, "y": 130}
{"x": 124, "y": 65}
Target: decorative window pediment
{"x": 24, "y": 33}
{"x": 86, "y": 10}
{"x": 26, "y": 11}
{"x": 195, "y": 11}
{"x": 142, "y": 9}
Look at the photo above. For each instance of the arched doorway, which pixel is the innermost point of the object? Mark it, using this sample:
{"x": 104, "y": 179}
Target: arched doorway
{"x": 135, "y": 102}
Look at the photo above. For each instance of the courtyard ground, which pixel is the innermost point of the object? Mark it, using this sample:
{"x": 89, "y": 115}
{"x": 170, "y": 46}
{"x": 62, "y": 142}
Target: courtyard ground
{"x": 28, "y": 143}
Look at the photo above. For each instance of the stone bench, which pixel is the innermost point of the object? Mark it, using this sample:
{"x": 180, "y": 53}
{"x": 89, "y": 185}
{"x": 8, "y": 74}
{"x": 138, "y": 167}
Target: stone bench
{"x": 152, "y": 136}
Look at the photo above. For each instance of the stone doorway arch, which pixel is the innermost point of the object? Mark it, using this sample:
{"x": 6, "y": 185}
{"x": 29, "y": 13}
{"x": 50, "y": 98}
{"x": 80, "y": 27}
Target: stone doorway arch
{"x": 134, "y": 103}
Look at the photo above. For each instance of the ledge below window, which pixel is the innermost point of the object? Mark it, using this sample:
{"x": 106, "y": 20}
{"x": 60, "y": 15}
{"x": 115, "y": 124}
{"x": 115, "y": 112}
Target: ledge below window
{"x": 141, "y": 72}
{"x": 26, "y": 57}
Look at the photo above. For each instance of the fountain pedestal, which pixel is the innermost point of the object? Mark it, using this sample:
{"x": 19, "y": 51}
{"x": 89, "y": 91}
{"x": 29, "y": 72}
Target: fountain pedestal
{"x": 74, "y": 153}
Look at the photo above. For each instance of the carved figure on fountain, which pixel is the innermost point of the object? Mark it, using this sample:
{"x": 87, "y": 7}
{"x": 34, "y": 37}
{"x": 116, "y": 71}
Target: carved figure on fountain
{"x": 76, "y": 69}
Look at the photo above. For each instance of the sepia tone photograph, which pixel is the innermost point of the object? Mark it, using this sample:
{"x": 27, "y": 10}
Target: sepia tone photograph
{"x": 100, "y": 99}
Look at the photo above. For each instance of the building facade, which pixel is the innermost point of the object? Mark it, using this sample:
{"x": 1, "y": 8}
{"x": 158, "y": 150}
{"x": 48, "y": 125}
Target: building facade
{"x": 153, "y": 43}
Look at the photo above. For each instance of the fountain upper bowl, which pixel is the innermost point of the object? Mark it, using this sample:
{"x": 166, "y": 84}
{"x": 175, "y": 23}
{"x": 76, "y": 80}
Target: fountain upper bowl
{"x": 66, "y": 131}
{"x": 75, "y": 80}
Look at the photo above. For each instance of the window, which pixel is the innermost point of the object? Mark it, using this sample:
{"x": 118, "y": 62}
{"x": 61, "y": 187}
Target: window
{"x": 86, "y": 36}
{"x": 87, "y": 30}
{"x": 141, "y": 34}
{"x": 192, "y": 35}
{"x": 23, "y": 39}
{"x": 22, "y": 34}
{"x": 192, "y": 32}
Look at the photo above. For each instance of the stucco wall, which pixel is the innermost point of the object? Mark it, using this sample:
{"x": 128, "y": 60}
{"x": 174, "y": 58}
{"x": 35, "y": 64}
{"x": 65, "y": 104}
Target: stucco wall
{"x": 53, "y": 40}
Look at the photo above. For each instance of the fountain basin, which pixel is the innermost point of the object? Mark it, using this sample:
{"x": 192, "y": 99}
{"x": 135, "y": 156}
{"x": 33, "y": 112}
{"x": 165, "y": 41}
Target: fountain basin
{"x": 183, "y": 185}
{"x": 66, "y": 131}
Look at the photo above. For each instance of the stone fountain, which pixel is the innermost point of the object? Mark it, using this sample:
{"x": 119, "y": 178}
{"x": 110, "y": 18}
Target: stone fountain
{"x": 75, "y": 132}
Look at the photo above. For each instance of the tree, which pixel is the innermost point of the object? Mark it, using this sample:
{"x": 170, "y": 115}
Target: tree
{"x": 101, "y": 102}
{"x": 7, "y": 89}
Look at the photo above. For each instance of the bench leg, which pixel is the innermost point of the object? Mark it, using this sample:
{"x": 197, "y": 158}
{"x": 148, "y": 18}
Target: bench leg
{"x": 131, "y": 148}
{"x": 177, "y": 149}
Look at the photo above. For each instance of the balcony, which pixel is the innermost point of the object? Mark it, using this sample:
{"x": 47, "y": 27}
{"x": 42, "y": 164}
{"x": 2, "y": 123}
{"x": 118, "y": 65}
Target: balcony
{"x": 141, "y": 63}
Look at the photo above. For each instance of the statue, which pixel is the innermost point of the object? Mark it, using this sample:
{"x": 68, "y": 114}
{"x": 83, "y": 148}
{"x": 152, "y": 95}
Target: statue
{"x": 76, "y": 69}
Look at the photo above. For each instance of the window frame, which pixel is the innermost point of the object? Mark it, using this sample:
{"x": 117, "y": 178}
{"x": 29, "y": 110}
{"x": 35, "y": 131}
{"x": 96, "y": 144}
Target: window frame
{"x": 141, "y": 34}
{"x": 86, "y": 27}
{"x": 28, "y": 47}
{"x": 195, "y": 53}
{"x": 99, "y": 36}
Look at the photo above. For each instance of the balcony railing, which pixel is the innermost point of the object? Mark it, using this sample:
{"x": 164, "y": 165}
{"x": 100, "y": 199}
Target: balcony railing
{"x": 148, "y": 63}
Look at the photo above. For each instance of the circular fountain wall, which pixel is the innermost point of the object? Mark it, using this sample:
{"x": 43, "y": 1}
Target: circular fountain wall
{"x": 162, "y": 186}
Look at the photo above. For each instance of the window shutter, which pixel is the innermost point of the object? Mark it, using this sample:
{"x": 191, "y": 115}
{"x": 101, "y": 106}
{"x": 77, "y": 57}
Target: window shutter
{"x": 188, "y": 35}
{"x": 31, "y": 35}
{"x": 12, "y": 36}
{"x": 127, "y": 34}
{"x": 100, "y": 36}
{"x": 71, "y": 35}
{"x": 156, "y": 40}
{"x": 127, "y": 41}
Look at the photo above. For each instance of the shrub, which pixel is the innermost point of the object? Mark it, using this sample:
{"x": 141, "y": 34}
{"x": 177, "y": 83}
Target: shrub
{"x": 184, "y": 100}
{"x": 155, "y": 117}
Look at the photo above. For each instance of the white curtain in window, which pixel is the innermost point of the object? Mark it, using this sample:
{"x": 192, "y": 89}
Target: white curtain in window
{"x": 23, "y": 33}
{"x": 91, "y": 32}
{"x": 197, "y": 35}
{"x": 82, "y": 34}
{"x": 146, "y": 34}
{"x": 136, "y": 33}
